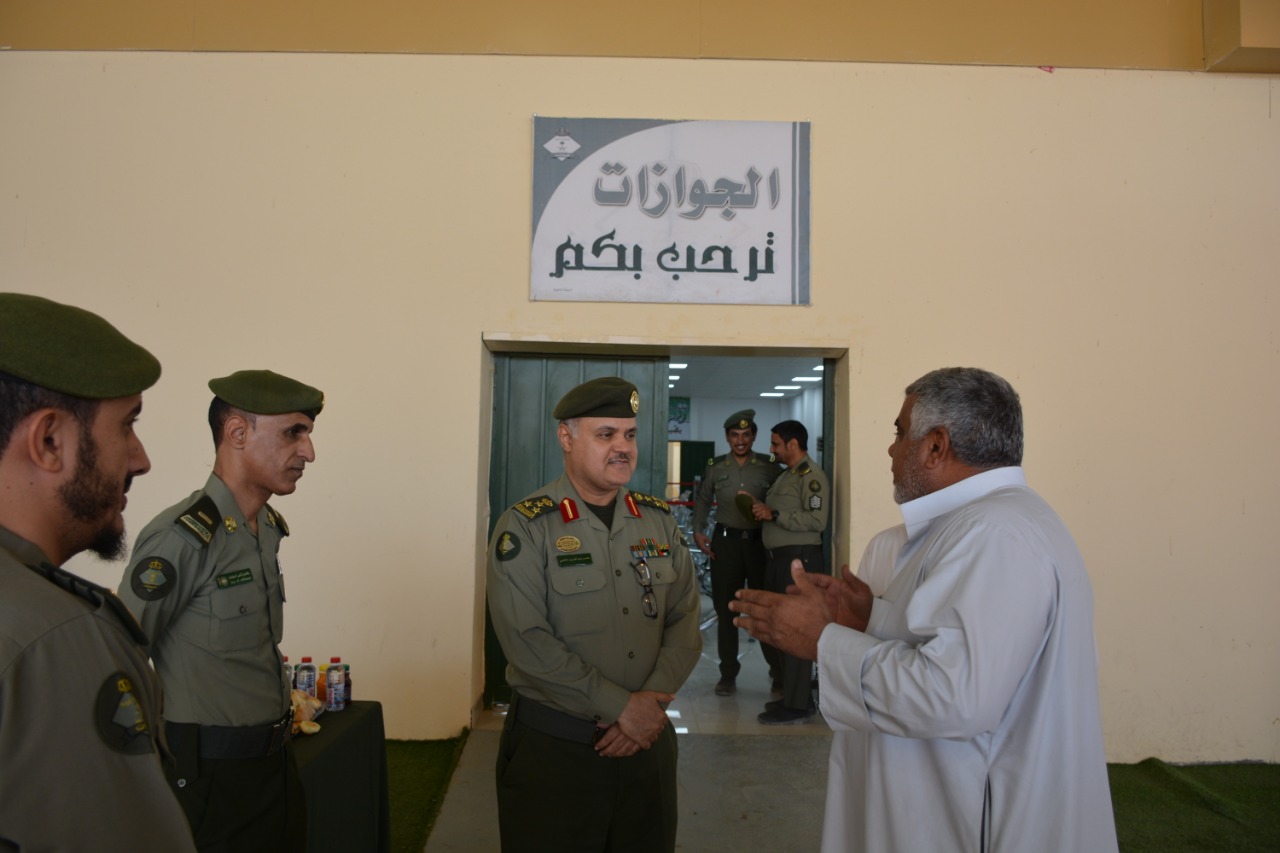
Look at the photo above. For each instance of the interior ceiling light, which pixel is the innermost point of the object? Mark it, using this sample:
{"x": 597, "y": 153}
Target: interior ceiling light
{"x": 772, "y": 394}
{"x": 786, "y": 387}
{"x": 820, "y": 367}
{"x": 675, "y": 366}
{"x": 673, "y": 378}
{"x": 806, "y": 378}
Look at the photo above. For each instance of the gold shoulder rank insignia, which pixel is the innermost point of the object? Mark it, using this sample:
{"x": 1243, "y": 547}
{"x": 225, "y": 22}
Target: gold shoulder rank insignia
{"x": 804, "y": 469}
{"x": 201, "y": 518}
{"x": 275, "y": 519}
{"x": 534, "y": 507}
{"x": 650, "y": 500}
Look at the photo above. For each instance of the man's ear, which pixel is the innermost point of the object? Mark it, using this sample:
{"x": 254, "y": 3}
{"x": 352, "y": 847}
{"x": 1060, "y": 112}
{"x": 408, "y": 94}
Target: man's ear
{"x": 47, "y": 436}
{"x": 937, "y": 447}
{"x": 235, "y": 432}
{"x": 566, "y": 437}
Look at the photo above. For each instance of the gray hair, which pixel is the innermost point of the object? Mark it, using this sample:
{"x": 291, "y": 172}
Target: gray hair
{"x": 981, "y": 413}
{"x": 571, "y": 424}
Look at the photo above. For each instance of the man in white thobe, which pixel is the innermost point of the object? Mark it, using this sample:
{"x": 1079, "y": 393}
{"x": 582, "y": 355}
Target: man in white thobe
{"x": 965, "y": 699}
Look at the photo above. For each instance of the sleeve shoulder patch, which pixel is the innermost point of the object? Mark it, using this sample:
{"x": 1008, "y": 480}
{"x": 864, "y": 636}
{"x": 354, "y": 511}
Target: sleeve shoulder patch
{"x": 534, "y": 507}
{"x": 650, "y": 500}
{"x": 153, "y": 578}
{"x": 201, "y": 518}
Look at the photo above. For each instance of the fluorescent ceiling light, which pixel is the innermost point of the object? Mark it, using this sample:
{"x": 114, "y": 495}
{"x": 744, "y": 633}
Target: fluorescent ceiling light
{"x": 806, "y": 378}
{"x": 673, "y": 377}
{"x": 772, "y": 394}
{"x": 675, "y": 366}
{"x": 669, "y": 385}
{"x": 820, "y": 367}
{"x": 786, "y": 387}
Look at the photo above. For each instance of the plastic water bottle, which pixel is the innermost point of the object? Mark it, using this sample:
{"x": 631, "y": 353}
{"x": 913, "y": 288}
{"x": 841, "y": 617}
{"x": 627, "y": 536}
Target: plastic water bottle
{"x": 306, "y": 676}
{"x": 335, "y": 686}
{"x": 288, "y": 672}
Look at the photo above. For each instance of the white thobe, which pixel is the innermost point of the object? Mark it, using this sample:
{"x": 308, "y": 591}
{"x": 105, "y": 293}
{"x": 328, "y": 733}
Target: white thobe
{"x": 878, "y": 559}
{"x": 967, "y": 717}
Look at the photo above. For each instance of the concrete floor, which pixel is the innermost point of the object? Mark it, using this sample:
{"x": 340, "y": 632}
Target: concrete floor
{"x": 743, "y": 786}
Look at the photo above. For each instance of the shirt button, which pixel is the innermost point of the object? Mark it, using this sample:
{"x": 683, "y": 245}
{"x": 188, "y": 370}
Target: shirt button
{"x": 625, "y": 611}
{"x": 618, "y": 572}
{"x": 631, "y": 654}
{"x": 243, "y": 609}
{"x": 581, "y": 582}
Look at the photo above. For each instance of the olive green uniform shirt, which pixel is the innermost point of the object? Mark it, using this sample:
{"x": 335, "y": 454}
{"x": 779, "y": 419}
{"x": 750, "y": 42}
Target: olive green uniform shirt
{"x": 802, "y": 497}
{"x": 566, "y": 604}
{"x": 80, "y": 725}
{"x": 722, "y": 481}
{"x": 214, "y": 610}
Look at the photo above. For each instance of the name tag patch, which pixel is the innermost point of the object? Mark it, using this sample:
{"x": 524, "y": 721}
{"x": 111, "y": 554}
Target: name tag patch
{"x": 231, "y": 579}
{"x": 574, "y": 560}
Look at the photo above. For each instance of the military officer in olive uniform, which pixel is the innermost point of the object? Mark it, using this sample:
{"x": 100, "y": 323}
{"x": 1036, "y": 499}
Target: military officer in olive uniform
{"x": 81, "y": 737}
{"x": 733, "y": 482}
{"x": 593, "y": 599}
{"x": 794, "y": 514}
{"x": 207, "y": 587}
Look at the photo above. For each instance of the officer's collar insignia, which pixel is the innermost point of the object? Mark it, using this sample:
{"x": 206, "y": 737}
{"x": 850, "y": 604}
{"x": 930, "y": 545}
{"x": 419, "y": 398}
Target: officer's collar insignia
{"x": 632, "y": 506}
{"x": 804, "y": 469}
{"x": 120, "y": 720}
{"x": 230, "y": 523}
{"x": 275, "y": 519}
{"x": 568, "y": 543}
{"x": 569, "y": 510}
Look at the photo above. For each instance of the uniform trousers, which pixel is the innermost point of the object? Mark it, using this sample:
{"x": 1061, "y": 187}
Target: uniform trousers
{"x": 558, "y": 796}
{"x": 239, "y": 805}
{"x": 738, "y": 562}
{"x": 797, "y": 673}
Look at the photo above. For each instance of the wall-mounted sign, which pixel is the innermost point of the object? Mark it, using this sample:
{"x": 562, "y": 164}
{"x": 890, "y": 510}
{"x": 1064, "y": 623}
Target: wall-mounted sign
{"x": 638, "y": 210}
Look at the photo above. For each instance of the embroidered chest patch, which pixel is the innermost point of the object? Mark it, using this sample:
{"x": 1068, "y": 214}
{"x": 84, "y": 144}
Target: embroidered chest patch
{"x": 231, "y": 579}
{"x": 574, "y": 560}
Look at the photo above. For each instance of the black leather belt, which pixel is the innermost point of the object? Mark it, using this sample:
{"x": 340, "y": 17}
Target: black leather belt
{"x": 549, "y": 721}
{"x": 244, "y": 741}
{"x": 722, "y": 532}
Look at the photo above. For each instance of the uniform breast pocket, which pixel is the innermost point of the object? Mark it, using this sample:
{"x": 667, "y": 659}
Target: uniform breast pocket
{"x": 578, "y": 604}
{"x": 238, "y": 621}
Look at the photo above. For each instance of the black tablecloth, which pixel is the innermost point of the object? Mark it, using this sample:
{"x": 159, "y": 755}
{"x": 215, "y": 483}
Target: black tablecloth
{"x": 344, "y": 772}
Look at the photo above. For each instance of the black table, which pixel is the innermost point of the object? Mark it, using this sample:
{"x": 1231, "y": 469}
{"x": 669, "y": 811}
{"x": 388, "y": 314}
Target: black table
{"x": 344, "y": 772}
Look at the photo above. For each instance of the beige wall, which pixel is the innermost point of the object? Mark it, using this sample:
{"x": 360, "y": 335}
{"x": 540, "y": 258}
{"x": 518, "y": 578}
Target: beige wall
{"x": 1106, "y": 240}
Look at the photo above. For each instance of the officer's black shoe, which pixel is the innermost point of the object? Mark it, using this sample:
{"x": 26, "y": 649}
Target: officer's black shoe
{"x": 726, "y": 687}
{"x": 786, "y": 716}
{"x": 774, "y": 705}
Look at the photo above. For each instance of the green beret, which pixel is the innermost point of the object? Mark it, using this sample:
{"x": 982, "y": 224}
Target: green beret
{"x": 741, "y": 420}
{"x": 607, "y": 397}
{"x": 262, "y": 392}
{"x": 69, "y": 350}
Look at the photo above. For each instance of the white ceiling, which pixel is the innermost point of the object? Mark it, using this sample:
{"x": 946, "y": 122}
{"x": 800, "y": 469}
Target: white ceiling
{"x": 740, "y": 377}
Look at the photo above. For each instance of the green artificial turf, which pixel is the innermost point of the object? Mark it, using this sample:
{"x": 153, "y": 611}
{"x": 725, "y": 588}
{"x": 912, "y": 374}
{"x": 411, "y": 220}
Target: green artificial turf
{"x": 1159, "y": 807}
{"x": 418, "y": 773}
{"x": 1162, "y": 808}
